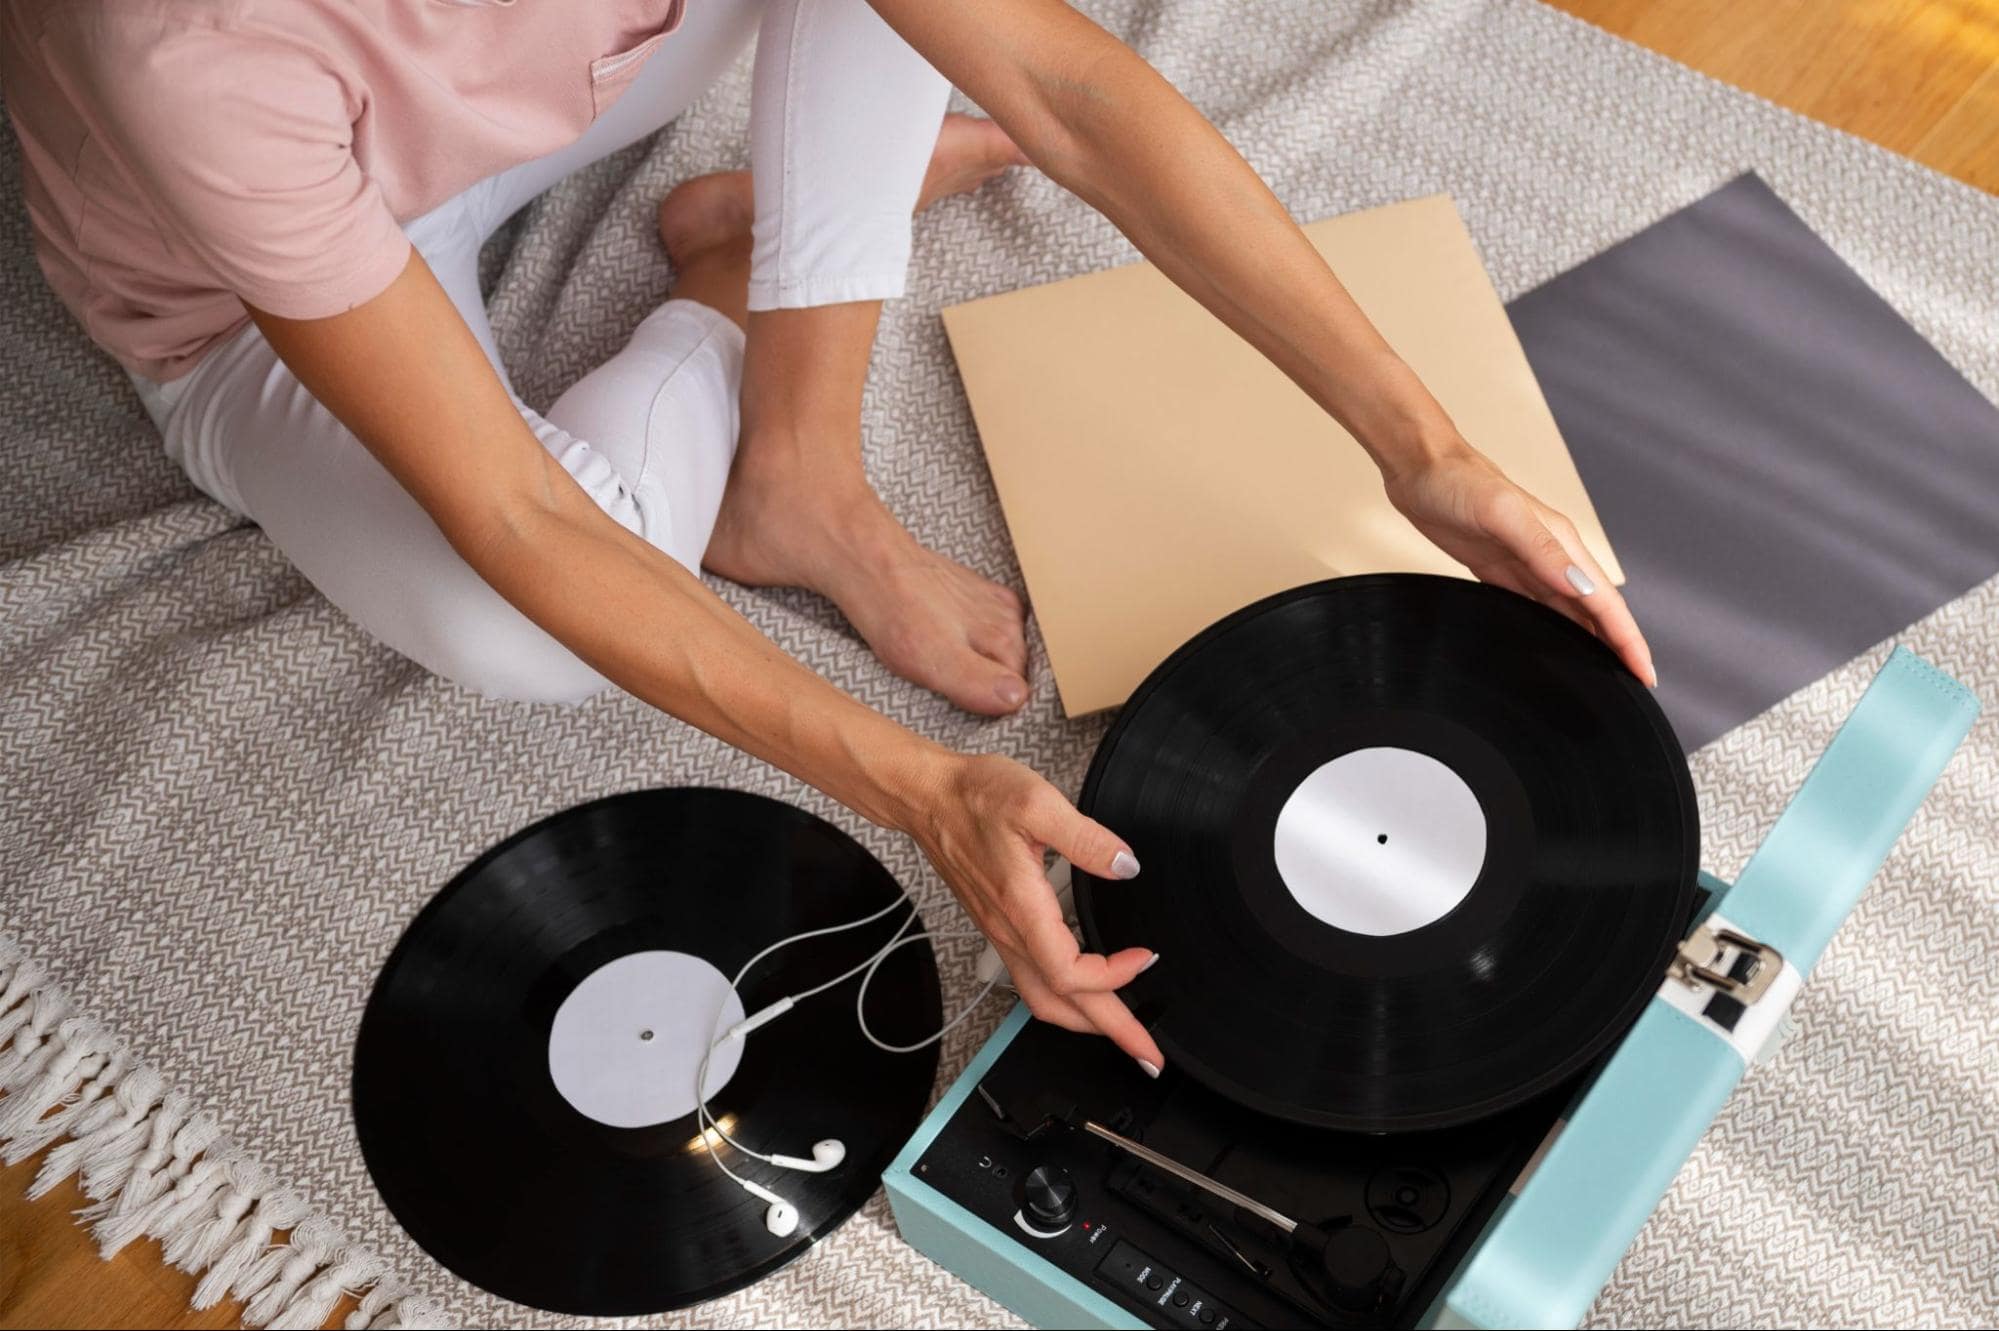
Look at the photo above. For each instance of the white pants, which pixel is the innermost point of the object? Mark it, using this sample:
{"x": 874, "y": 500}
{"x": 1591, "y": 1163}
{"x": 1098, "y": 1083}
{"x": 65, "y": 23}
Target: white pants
{"x": 844, "y": 116}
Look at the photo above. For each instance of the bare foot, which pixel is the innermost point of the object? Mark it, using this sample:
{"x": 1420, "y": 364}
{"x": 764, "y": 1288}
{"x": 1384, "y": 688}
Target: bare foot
{"x": 931, "y": 620}
{"x": 707, "y": 211}
{"x": 705, "y": 225}
{"x": 970, "y": 151}
{"x": 801, "y": 514}
{"x": 704, "y": 212}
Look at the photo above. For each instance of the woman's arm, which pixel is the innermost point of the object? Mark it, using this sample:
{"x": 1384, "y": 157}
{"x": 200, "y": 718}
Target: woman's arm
{"x": 1105, "y": 125}
{"x": 404, "y": 373}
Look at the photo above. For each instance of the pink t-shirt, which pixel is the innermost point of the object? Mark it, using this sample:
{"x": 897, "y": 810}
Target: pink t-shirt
{"x": 184, "y": 157}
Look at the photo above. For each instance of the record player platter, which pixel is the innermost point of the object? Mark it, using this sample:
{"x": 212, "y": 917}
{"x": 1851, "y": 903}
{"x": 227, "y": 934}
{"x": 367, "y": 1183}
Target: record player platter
{"x": 1416, "y": 850}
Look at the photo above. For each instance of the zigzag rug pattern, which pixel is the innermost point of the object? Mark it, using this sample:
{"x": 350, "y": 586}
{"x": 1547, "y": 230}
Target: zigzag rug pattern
{"x": 223, "y": 802}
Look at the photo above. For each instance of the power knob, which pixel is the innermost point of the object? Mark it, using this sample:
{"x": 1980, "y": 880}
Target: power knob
{"x": 1048, "y": 1196}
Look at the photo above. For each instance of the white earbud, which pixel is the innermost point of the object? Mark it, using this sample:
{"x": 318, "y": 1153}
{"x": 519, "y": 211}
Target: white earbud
{"x": 782, "y": 1218}
{"x": 826, "y": 1155}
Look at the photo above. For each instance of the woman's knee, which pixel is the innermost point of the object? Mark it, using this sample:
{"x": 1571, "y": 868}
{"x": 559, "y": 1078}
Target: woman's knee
{"x": 661, "y": 418}
{"x": 494, "y": 650}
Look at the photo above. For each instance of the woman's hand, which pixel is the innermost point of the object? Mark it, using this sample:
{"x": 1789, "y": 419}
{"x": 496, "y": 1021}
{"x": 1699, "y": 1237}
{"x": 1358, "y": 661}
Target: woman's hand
{"x": 1101, "y": 122}
{"x": 985, "y": 826}
{"x": 1507, "y": 537}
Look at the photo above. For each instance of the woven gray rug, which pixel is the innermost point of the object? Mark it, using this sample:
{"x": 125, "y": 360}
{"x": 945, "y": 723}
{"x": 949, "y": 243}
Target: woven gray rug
{"x": 222, "y": 802}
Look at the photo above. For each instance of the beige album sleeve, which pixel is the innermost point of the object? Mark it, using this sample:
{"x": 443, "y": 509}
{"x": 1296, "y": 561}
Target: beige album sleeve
{"x": 1157, "y": 473}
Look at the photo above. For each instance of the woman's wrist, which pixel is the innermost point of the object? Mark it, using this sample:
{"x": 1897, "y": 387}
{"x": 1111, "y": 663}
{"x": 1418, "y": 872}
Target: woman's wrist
{"x": 1420, "y": 451}
{"x": 905, "y": 785}
{"x": 1404, "y": 429}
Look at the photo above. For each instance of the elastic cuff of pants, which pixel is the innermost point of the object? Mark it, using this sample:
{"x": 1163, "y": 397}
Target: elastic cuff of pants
{"x": 797, "y": 293}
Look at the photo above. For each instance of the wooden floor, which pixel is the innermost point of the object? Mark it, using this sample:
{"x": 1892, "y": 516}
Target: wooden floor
{"x": 51, "y": 1276}
{"x": 1918, "y": 76}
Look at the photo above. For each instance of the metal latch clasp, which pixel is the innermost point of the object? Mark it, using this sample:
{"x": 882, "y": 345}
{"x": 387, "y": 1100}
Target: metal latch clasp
{"x": 1704, "y": 957}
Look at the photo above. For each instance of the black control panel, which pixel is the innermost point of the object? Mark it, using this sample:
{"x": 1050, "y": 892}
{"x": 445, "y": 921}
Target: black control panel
{"x": 1381, "y": 1221}
{"x": 1176, "y": 1300}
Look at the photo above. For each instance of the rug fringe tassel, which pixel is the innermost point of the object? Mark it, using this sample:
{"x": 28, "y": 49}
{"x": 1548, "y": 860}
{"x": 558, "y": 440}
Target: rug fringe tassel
{"x": 153, "y": 1164}
{"x": 279, "y": 1210}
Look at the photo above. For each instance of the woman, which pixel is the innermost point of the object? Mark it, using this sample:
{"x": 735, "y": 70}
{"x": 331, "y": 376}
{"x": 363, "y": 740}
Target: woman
{"x": 270, "y": 211}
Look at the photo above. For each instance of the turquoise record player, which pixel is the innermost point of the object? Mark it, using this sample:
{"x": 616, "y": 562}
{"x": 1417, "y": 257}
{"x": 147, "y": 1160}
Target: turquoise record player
{"x": 1131, "y": 1204}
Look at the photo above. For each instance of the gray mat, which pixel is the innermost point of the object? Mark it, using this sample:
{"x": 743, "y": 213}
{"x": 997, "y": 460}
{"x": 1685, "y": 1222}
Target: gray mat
{"x": 220, "y": 803}
{"x": 1789, "y": 471}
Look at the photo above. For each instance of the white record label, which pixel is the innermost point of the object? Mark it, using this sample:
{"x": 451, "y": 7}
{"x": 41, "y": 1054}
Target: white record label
{"x": 1380, "y": 841}
{"x": 627, "y": 1042}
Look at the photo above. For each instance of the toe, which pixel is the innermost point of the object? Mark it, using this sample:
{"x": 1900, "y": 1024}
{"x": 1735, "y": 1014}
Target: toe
{"x": 938, "y": 656}
{"x": 979, "y": 684}
{"x": 1004, "y": 642}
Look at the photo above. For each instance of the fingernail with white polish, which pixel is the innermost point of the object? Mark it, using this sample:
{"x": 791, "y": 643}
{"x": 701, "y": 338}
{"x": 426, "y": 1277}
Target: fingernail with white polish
{"x": 1124, "y": 865}
{"x": 1151, "y": 1069}
{"x": 1150, "y": 962}
{"x": 1581, "y": 582}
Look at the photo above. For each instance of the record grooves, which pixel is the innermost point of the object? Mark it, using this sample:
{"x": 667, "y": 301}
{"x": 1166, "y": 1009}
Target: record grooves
{"x": 1415, "y": 850}
{"x": 499, "y": 1177}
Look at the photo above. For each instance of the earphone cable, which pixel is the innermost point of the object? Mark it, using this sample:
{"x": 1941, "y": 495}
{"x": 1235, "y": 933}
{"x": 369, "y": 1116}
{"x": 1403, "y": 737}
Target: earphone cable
{"x": 705, "y": 1120}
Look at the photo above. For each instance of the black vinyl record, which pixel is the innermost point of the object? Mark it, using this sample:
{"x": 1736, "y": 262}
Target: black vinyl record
{"x": 1541, "y": 867}
{"x": 491, "y": 1169}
